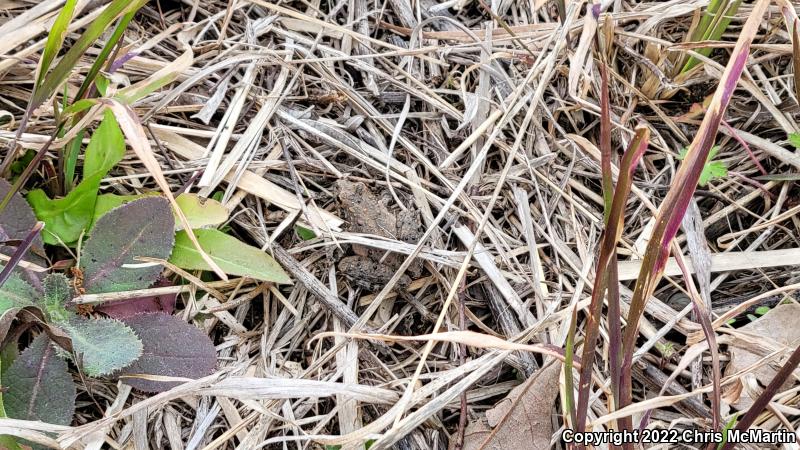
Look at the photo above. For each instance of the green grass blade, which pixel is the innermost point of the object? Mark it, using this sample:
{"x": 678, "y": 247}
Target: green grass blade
{"x": 55, "y": 39}
{"x": 61, "y": 71}
{"x": 716, "y": 26}
{"x": 102, "y": 58}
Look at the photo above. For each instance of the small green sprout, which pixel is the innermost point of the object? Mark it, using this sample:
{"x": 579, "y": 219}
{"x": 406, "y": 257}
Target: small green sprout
{"x": 712, "y": 169}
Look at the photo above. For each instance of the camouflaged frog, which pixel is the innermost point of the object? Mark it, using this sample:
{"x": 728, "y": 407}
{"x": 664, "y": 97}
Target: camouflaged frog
{"x": 364, "y": 212}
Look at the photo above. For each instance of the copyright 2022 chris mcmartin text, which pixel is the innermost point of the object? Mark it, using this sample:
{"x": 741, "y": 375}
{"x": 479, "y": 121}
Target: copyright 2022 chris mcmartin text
{"x": 675, "y": 436}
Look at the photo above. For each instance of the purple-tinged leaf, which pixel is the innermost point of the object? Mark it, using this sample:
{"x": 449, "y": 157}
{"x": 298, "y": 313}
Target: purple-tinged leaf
{"x": 20, "y": 252}
{"x": 139, "y": 228}
{"x": 670, "y": 214}
{"x": 796, "y": 56}
{"x": 172, "y": 348}
{"x": 16, "y": 222}
{"x": 608, "y": 248}
{"x": 39, "y": 386}
{"x": 153, "y": 303}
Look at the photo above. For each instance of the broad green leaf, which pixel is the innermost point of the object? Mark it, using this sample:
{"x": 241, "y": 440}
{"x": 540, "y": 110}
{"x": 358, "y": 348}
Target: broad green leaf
{"x": 200, "y": 213}
{"x": 171, "y": 347}
{"x": 66, "y": 218}
{"x": 143, "y": 227}
{"x": 232, "y": 255}
{"x": 57, "y": 293}
{"x": 55, "y": 39}
{"x": 102, "y": 345}
{"x": 38, "y": 385}
{"x": 106, "y": 148}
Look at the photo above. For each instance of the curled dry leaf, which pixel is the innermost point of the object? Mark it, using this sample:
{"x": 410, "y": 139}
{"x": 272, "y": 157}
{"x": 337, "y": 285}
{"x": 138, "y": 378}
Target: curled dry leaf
{"x": 778, "y": 326}
{"x": 521, "y": 420}
{"x": 172, "y": 348}
{"x": 140, "y": 228}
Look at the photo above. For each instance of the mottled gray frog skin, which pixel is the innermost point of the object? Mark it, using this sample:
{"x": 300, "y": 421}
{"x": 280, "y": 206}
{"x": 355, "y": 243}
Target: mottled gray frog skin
{"x": 363, "y": 212}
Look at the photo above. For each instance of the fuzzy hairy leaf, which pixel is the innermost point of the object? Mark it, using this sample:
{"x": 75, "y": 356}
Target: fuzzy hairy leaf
{"x": 102, "y": 345}
{"x": 39, "y": 386}
{"x": 140, "y": 228}
{"x": 56, "y": 295}
{"x": 16, "y": 293}
{"x": 66, "y": 218}
{"x": 232, "y": 255}
{"x": 172, "y": 348}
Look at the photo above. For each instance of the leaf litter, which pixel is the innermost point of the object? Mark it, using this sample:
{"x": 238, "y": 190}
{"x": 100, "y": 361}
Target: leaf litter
{"x": 213, "y": 139}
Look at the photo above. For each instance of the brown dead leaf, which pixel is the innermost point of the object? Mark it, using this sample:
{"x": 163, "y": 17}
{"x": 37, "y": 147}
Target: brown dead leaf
{"x": 778, "y": 326}
{"x": 522, "y": 419}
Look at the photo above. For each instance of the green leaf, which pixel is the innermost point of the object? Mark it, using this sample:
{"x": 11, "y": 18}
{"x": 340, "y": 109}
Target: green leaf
{"x": 102, "y": 345}
{"x": 232, "y": 256}
{"x": 55, "y": 39}
{"x": 39, "y": 386}
{"x": 66, "y": 218}
{"x": 761, "y": 310}
{"x": 200, "y": 213}
{"x": 106, "y": 148}
{"x": 51, "y": 82}
{"x": 16, "y": 293}
{"x": 143, "y": 227}
{"x": 712, "y": 169}
{"x": 57, "y": 293}
{"x": 304, "y": 233}
{"x": 794, "y": 139}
